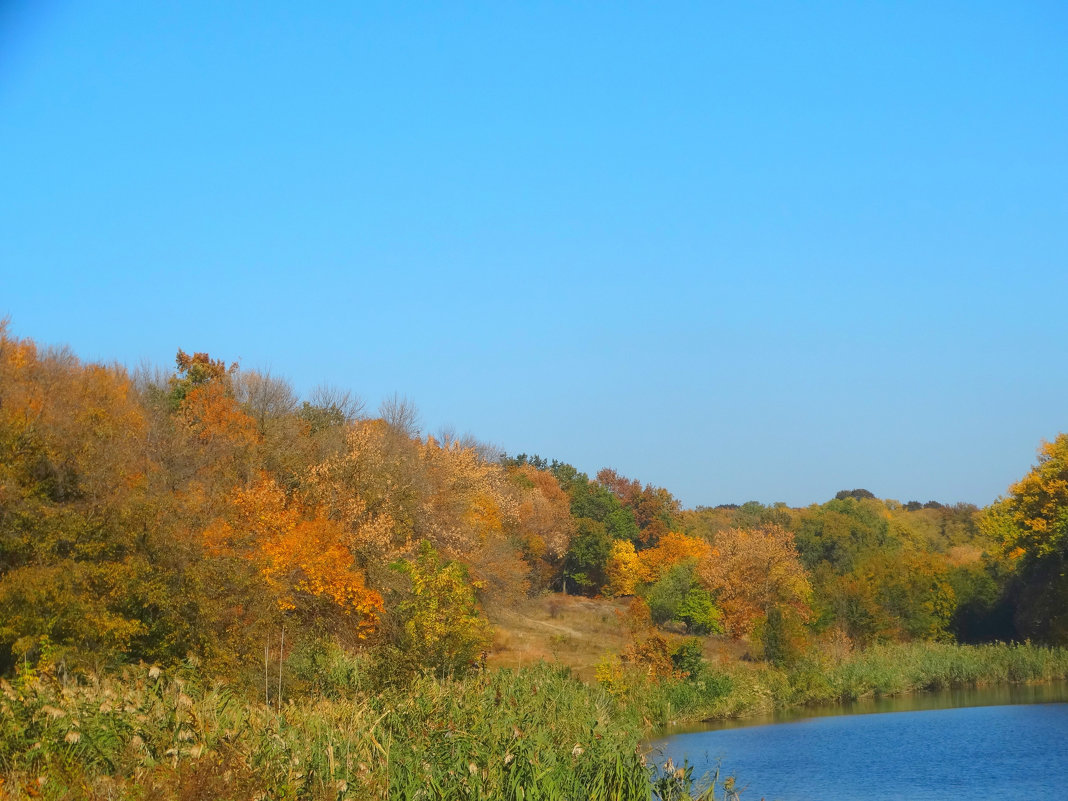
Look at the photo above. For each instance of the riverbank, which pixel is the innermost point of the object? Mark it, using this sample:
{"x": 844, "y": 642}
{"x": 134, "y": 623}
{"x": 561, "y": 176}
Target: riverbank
{"x": 536, "y": 732}
{"x": 738, "y": 690}
{"x": 986, "y": 695}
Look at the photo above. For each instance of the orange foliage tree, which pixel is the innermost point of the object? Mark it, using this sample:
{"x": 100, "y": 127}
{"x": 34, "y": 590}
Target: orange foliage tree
{"x": 753, "y": 573}
{"x": 211, "y": 420}
{"x": 673, "y": 548}
{"x": 544, "y": 522}
{"x": 391, "y": 490}
{"x": 302, "y": 558}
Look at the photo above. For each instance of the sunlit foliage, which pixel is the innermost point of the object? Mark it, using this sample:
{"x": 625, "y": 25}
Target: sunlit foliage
{"x": 1031, "y": 525}
{"x": 301, "y": 557}
{"x": 440, "y": 627}
{"x": 200, "y": 510}
{"x": 753, "y": 572}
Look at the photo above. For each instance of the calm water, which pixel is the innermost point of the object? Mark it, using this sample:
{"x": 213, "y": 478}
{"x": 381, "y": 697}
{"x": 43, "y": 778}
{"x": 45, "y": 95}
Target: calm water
{"x": 1014, "y": 746}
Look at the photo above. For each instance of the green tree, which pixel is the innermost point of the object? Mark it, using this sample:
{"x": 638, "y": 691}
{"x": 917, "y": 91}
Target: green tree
{"x": 676, "y": 595}
{"x": 440, "y": 627}
{"x": 841, "y": 531}
{"x": 596, "y": 502}
{"x": 667, "y": 594}
{"x": 699, "y": 612}
{"x": 587, "y": 558}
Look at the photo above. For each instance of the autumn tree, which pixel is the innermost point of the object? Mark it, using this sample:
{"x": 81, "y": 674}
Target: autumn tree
{"x": 391, "y": 490}
{"x": 1037, "y": 505}
{"x": 600, "y": 517}
{"x": 286, "y": 446}
{"x": 544, "y": 523}
{"x": 472, "y": 514}
{"x": 439, "y": 626}
{"x": 207, "y": 441}
{"x": 82, "y": 564}
{"x": 753, "y": 572}
{"x": 892, "y": 596}
{"x": 303, "y": 560}
{"x": 469, "y": 500}
{"x": 672, "y": 549}
{"x": 654, "y": 508}
{"x": 622, "y": 569}
{"x": 375, "y": 487}
{"x": 325, "y": 416}
{"x": 1032, "y": 527}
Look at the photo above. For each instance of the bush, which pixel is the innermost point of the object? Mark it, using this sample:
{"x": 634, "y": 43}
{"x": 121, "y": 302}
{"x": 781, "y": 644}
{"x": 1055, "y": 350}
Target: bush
{"x": 699, "y": 612}
{"x": 666, "y": 594}
{"x": 687, "y": 658}
{"x": 439, "y": 626}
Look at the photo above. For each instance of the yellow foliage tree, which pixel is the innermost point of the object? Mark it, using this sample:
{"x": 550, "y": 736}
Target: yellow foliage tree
{"x": 1037, "y": 505}
{"x": 373, "y": 487}
{"x": 623, "y": 569}
{"x": 441, "y": 627}
{"x": 1032, "y": 526}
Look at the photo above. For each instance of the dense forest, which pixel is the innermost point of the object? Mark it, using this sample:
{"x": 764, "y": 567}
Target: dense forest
{"x": 207, "y": 515}
{"x": 155, "y": 515}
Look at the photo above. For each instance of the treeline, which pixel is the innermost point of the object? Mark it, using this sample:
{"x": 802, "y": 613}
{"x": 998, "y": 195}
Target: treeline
{"x": 156, "y": 515}
{"x": 153, "y": 516}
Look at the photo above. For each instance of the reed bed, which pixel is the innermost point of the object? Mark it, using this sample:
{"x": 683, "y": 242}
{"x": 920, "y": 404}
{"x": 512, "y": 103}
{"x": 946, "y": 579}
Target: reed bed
{"x": 531, "y": 734}
{"x": 914, "y": 667}
{"x": 744, "y": 689}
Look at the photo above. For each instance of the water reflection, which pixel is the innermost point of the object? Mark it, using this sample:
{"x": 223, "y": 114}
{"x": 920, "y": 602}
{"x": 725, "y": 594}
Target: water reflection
{"x": 997, "y": 695}
{"x": 956, "y": 745}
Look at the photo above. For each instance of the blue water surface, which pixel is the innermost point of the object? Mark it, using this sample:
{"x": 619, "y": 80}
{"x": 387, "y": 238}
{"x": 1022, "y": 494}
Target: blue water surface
{"x": 991, "y": 752}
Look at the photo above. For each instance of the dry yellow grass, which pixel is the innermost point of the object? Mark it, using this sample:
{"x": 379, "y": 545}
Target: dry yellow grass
{"x": 565, "y": 629}
{"x": 577, "y": 632}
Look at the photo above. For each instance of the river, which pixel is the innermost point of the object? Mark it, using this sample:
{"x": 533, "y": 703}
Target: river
{"x": 1008, "y": 742}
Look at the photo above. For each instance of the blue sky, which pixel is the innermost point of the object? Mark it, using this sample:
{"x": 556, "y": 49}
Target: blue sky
{"x": 750, "y": 251}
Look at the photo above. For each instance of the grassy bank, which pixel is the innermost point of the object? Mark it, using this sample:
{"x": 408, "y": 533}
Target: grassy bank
{"x": 742, "y": 689}
{"x": 532, "y": 734}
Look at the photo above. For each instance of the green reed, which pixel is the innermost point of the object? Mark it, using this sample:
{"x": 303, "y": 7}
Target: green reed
{"x": 533, "y": 734}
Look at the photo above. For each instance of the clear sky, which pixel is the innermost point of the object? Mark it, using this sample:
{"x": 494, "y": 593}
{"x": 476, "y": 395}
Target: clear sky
{"x": 743, "y": 251}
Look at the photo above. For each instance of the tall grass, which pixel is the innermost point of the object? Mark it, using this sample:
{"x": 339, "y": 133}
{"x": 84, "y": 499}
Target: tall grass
{"x": 744, "y": 689}
{"x": 911, "y": 667}
{"x": 531, "y": 734}
{"x": 148, "y": 735}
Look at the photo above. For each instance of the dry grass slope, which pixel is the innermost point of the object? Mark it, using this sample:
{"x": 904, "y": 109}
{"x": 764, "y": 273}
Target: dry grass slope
{"x": 576, "y": 632}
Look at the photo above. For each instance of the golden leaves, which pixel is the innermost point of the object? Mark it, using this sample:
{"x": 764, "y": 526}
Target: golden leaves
{"x": 753, "y": 571}
{"x": 623, "y": 569}
{"x": 673, "y": 548}
{"x": 299, "y": 554}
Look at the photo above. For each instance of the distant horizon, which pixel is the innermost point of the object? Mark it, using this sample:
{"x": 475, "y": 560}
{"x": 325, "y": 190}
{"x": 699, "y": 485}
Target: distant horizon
{"x": 747, "y": 251}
